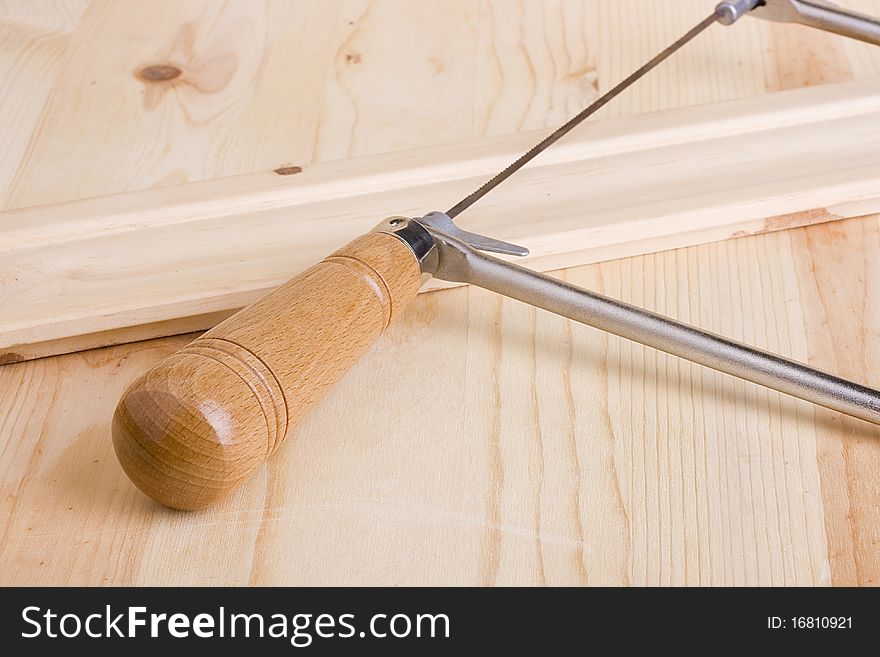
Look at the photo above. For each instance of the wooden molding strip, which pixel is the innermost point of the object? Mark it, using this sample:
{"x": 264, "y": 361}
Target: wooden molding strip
{"x": 132, "y": 266}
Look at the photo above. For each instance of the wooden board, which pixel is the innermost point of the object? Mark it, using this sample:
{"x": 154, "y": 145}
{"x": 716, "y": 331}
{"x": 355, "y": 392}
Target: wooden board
{"x": 645, "y": 471}
{"x": 145, "y": 264}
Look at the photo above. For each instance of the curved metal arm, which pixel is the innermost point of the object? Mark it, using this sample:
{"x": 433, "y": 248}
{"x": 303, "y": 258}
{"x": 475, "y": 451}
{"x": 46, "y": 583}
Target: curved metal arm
{"x": 821, "y": 15}
{"x": 456, "y": 261}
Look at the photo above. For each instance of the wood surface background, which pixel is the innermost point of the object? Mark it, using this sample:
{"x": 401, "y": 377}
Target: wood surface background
{"x": 481, "y": 441}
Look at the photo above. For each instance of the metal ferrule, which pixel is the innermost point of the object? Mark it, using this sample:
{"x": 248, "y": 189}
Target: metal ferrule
{"x": 416, "y": 237}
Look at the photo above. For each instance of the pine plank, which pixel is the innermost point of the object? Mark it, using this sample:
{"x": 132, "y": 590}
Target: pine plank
{"x": 145, "y": 264}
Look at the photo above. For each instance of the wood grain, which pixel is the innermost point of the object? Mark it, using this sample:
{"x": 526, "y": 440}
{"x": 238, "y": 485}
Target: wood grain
{"x": 617, "y": 187}
{"x": 838, "y": 271}
{"x": 645, "y": 470}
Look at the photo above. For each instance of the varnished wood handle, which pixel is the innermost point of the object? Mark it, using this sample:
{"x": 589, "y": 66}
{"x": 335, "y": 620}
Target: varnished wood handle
{"x": 203, "y": 421}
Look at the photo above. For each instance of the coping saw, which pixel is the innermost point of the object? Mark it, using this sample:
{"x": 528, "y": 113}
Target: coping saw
{"x": 201, "y": 422}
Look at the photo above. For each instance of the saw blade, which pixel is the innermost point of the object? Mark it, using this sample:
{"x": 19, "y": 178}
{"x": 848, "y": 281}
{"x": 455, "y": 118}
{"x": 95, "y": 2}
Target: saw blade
{"x": 560, "y": 132}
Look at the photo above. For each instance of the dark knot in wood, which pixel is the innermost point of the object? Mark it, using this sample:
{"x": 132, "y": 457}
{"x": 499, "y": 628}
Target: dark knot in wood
{"x": 159, "y": 73}
{"x": 287, "y": 171}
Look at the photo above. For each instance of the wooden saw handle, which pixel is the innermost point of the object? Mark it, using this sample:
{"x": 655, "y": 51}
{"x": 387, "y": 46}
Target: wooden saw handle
{"x": 201, "y": 422}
